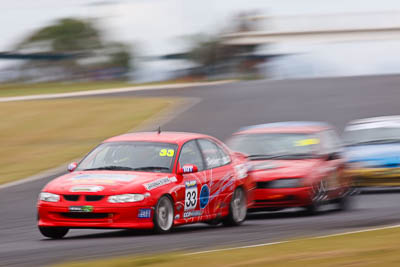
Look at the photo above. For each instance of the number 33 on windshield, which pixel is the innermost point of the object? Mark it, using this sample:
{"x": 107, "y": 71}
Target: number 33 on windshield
{"x": 167, "y": 152}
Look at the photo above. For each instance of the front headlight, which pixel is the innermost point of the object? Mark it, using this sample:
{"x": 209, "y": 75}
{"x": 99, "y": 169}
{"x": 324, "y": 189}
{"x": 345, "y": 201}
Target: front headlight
{"x": 126, "y": 198}
{"x": 286, "y": 183}
{"x": 49, "y": 197}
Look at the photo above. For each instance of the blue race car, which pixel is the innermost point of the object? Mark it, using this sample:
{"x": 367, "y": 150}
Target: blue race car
{"x": 373, "y": 151}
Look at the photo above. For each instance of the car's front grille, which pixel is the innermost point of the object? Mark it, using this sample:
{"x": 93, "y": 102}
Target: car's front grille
{"x": 93, "y": 197}
{"x": 89, "y": 198}
{"x": 85, "y": 215}
{"x": 71, "y": 197}
{"x": 263, "y": 185}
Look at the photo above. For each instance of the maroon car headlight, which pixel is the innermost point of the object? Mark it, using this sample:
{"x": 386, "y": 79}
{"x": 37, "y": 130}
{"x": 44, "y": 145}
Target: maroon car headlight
{"x": 125, "y": 198}
{"x": 49, "y": 197}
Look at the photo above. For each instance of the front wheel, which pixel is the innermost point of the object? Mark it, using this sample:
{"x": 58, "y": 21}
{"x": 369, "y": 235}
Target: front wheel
{"x": 53, "y": 232}
{"x": 318, "y": 197}
{"x": 237, "y": 208}
{"x": 163, "y": 215}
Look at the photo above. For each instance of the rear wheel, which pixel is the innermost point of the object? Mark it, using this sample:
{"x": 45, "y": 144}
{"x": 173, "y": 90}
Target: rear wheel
{"x": 53, "y": 232}
{"x": 344, "y": 202}
{"x": 163, "y": 215}
{"x": 237, "y": 208}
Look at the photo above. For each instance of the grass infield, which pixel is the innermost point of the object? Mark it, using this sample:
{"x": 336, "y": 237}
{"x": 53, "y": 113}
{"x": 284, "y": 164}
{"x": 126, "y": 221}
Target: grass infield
{"x": 39, "y": 135}
{"x": 373, "y": 248}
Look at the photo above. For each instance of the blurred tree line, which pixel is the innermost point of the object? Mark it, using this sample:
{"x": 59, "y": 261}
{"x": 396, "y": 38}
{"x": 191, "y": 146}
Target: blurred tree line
{"x": 86, "y": 55}
{"x": 215, "y": 57}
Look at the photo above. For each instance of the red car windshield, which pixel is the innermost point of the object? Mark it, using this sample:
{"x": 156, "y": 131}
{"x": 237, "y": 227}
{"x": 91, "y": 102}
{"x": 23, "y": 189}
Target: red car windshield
{"x": 275, "y": 145}
{"x": 131, "y": 156}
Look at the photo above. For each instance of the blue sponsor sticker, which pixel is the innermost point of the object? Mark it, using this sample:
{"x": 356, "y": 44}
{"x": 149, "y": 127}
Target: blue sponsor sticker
{"x": 204, "y": 196}
{"x": 144, "y": 213}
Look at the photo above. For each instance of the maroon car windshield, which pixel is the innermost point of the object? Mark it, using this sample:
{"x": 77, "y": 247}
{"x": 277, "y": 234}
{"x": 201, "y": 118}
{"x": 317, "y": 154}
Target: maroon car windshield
{"x": 276, "y": 145}
{"x": 131, "y": 156}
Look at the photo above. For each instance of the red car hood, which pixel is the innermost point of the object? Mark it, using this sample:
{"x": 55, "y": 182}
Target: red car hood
{"x": 267, "y": 170}
{"x": 104, "y": 182}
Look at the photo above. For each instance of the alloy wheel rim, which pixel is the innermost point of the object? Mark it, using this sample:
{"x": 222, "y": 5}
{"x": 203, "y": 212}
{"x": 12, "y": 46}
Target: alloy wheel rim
{"x": 165, "y": 214}
{"x": 239, "y": 206}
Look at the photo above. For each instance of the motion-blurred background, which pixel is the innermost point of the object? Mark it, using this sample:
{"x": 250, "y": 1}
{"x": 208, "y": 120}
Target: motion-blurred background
{"x": 253, "y": 62}
{"x": 156, "y": 40}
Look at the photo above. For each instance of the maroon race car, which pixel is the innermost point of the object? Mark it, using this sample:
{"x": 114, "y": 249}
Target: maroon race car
{"x": 294, "y": 164}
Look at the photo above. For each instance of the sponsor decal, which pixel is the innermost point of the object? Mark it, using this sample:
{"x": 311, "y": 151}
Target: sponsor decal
{"x": 167, "y": 153}
{"x": 177, "y": 216}
{"x": 204, "y": 196}
{"x": 190, "y": 195}
{"x": 81, "y": 208}
{"x": 307, "y": 142}
{"x": 144, "y": 213}
{"x": 159, "y": 182}
{"x": 187, "y": 169}
{"x": 86, "y": 188}
{"x": 193, "y": 213}
{"x": 104, "y": 177}
{"x": 230, "y": 182}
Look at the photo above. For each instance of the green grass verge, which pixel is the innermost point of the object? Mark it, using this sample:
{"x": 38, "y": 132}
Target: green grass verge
{"x": 372, "y": 248}
{"x": 21, "y": 89}
{"x": 38, "y": 135}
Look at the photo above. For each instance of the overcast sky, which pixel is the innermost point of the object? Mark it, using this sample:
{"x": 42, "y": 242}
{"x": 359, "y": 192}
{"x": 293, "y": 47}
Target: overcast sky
{"x": 157, "y": 24}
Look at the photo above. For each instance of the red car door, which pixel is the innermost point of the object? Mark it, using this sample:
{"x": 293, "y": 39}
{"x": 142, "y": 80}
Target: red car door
{"x": 188, "y": 207}
{"x": 218, "y": 183}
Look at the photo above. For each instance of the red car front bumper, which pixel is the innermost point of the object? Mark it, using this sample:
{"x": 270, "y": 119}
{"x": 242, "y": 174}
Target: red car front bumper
{"x": 281, "y": 198}
{"x": 100, "y": 217}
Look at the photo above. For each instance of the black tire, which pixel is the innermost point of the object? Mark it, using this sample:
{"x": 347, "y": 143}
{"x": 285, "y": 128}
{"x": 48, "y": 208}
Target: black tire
{"x": 53, "y": 232}
{"x": 237, "y": 208}
{"x": 345, "y": 202}
{"x": 163, "y": 215}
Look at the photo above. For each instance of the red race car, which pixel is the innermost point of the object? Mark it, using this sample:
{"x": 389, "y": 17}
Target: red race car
{"x": 148, "y": 180}
{"x": 294, "y": 164}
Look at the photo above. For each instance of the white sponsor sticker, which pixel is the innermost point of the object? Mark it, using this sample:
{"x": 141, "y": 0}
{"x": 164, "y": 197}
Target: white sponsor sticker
{"x": 159, "y": 182}
{"x": 193, "y": 213}
{"x": 86, "y": 188}
{"x": 190, "y": 195}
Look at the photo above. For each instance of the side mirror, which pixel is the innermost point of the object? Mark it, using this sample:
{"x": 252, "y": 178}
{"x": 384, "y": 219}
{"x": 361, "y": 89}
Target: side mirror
{"x": 72, "y": 166}
{"x": 187, "y": 168}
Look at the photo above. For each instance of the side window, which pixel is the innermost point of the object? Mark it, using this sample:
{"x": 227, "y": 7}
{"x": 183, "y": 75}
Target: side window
{"x": 224, "y": 156}
{"x": 213, "y": 155}
{"x": 190, "y": 154}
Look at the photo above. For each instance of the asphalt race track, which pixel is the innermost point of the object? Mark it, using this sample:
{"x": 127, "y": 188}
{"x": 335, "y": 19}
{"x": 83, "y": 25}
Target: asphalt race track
{"x": 222, "y": 109}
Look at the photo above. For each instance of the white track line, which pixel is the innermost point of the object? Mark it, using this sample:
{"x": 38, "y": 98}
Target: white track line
{"x": 287, "y": 241}
{"x": 111, "y": 91}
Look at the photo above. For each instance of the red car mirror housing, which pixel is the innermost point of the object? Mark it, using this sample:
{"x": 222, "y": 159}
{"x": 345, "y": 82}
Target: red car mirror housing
{"x": 188, "y": 168}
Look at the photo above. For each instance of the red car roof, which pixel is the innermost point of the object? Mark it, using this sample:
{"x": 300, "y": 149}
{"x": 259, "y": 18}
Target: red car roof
{"x": 165, "y": 137}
